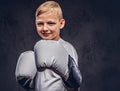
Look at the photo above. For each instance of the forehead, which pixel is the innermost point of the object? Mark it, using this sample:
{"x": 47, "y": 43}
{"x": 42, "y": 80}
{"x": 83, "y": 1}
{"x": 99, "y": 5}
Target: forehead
{"x": 49, "y": 15}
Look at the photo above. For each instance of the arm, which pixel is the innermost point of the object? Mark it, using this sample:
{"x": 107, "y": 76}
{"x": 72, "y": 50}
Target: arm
{"x": 75, "y": 78}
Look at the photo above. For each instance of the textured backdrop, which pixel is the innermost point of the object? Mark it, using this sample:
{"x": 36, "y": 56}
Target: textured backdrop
{"x": 92, "y": 26}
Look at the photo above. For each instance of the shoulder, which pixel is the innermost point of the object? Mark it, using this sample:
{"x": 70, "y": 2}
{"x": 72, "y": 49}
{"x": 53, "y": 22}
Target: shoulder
{"x": 69, "y": 48}
{"x": 66, "y": 44}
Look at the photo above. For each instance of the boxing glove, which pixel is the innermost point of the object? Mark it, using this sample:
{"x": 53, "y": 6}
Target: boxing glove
{"x": 52, "y": 55}
{"x": 26, "y": 70}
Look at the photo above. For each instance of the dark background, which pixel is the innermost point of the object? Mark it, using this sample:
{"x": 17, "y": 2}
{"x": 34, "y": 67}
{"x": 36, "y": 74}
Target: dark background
{"x": 92, "y": 26}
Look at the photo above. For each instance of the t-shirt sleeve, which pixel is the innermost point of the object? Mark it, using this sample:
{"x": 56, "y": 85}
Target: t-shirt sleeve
{"x": 70, "y": 49}
{"x": 74, "y": 54}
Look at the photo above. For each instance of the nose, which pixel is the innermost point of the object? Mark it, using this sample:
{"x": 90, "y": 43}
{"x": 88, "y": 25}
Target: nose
{"x": 45, "y": 28}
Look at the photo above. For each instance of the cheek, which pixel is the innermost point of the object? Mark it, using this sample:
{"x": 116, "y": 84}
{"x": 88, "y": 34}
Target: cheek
{"x": 56, "y": 28}
{"x": 57, "y": 32}
{"x": 38, "y": 28}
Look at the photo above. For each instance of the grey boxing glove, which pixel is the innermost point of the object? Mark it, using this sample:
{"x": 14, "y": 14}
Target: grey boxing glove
{"x": 50, "y": 54}
{"x": 26, "y": 70}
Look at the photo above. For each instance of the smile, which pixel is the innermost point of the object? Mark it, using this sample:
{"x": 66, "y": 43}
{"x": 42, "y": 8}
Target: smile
{"x": 46, "y": 34}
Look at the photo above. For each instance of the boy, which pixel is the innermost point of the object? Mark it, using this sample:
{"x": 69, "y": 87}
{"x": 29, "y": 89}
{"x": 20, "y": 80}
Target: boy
{"x": 49, "y": 22}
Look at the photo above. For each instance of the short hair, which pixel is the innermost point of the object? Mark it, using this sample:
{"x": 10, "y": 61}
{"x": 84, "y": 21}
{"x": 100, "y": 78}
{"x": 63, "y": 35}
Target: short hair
{"x": 49, "y": 6}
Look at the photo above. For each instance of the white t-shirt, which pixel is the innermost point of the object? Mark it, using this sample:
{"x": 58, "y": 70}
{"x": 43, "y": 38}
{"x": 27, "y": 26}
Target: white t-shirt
{"x": 48, "y": 80}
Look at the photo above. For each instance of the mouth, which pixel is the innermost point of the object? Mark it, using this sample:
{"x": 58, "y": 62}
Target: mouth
{"x": 46, "y": 34}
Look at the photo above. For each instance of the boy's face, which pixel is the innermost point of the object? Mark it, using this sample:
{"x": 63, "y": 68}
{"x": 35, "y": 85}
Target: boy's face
{"x": 48, "y": 26}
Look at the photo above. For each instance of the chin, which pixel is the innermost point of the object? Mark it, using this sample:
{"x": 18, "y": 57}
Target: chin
{"x": 46, "y": 38}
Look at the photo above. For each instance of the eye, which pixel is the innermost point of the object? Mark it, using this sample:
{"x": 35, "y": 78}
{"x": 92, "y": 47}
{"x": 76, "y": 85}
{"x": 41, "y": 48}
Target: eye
{"x": 40, "y": 23}
{"x": 51, "y": 23}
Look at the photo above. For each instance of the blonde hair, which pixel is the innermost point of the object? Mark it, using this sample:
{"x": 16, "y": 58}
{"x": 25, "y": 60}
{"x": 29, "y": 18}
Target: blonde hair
{"x": 49, "y": 6}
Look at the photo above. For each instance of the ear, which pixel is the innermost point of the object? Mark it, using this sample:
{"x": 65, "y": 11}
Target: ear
{"x": 62, "y": 23}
